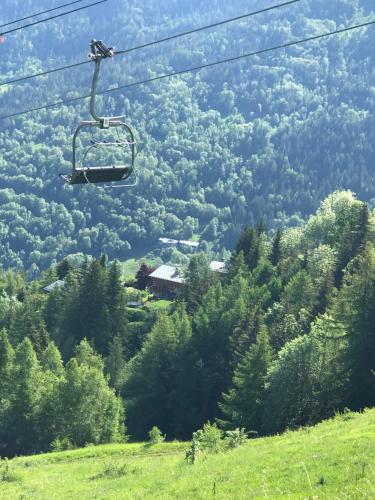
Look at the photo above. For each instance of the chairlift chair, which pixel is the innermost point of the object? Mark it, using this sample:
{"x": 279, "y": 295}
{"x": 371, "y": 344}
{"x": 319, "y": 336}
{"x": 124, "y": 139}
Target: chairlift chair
{"x": 102, "y": 174}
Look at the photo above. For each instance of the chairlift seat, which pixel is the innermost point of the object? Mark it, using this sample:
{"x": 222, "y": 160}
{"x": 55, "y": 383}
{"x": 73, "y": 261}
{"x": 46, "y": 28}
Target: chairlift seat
{"x": 96, "y": 175}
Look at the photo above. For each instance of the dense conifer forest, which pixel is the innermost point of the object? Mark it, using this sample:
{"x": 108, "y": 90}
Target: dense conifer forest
{"x": 284, "y": 339}
{"x": 269, "y": 136}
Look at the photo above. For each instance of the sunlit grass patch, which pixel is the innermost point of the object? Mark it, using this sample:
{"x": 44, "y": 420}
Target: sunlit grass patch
{"x": 333, "y": 460}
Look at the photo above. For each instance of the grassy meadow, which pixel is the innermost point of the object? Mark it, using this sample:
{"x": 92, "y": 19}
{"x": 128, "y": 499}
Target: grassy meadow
{"x": 333, "y": 460}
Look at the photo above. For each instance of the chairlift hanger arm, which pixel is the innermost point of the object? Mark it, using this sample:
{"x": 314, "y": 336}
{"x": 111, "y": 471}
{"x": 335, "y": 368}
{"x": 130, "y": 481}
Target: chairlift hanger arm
{"x": 99, "y": 51}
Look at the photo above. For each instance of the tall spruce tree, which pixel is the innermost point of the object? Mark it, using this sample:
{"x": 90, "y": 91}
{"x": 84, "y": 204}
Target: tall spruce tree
{"x": 198, "y": 280}
{"x": 91, "y": 310}
{"x": 248, "y": 243}
{"x": 116, "y": 306}
{"x": 150, "y": 382}
{"x": 28, "y": 322}
{"x": 242, "y": 405}
{"x": 115, "y": 363}
{"x": 6, "y": 366}
{"x": 355, "y": 308}
{"x": 186, "y": 417}
{"x": 275, "y": 254}
{"x": 6, "y": 388}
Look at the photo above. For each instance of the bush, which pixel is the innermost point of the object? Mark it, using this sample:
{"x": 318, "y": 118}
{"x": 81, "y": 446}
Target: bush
{"x": 112, "y": 470}
{"x": 61, "y": 444}
{"x": 156, "y": 436}
{"x": 234, "y": 439}
{"x": 7, "y": 473}
{"x": 209, "y": 439}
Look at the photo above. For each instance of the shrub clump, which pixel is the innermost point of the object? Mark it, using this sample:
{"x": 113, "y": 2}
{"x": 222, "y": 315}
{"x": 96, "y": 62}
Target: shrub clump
{"x": 211, "y": 440}
{"x": 155, "y": 436}
{"x": 63, "y": 444}
{"x": 7, "y": 473}
{"x": 112, "y": 470}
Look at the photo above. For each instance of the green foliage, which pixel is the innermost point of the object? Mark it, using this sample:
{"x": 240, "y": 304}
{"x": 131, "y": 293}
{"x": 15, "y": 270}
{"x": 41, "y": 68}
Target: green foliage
{"x": 198, "y": 279}
{"x": 243, "y": 404}
{"x": 154, "y": 384}
{"x": 155, "y": 436}
{"x": 61, "y": 444}
{"x": 113, "y": 470}
{"x": 7, "y": 474}
{"x": 213, "y": 440}
{"x": 220, "y": 149}
{"x": 258, "y": 348}
{"x": 206, "y": 440}
{"x": 355, "y": 308}
{"x": 249, "y": 244}
{"x": 209, "y": 438}
{"x": 85, "y": 392}
{"x": 235, "y": 438}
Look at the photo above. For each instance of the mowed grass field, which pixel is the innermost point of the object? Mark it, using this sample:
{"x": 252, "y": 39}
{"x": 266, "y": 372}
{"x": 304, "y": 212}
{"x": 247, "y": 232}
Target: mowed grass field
{"x": 333, "y": 460}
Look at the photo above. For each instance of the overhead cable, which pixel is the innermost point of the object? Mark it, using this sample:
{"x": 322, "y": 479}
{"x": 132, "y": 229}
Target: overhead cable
{"x": 214, "y": 25}
{"x": 196, "y": 68}
{"x": 155, "y": 42}
{"x": 51, "y": 17}
{"x": 40, "y": 13}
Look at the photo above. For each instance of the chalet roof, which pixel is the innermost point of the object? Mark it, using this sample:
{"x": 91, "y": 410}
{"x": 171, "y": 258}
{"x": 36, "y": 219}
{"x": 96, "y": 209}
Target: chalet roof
{"x": 187, "y": 243}
{"x": 168, "y": 241}
{"x": 184, "y": 243}
{"x": 167, "y": 273}
{"x": 55, "y": 284}
{"x": 217, "y": 266}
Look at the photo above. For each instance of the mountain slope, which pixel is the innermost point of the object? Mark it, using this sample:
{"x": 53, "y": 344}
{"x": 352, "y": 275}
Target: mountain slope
{"x": 335, "y": 459}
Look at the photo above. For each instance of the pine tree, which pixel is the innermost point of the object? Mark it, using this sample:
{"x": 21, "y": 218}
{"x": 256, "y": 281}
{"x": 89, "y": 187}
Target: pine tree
{"x": 248, "y": 243}
{"x": 6, "y": 388}
{"x": 63, "y": 268}
{"x": 28, "y": 322}
{"x": 354, "y": 239}
{"x": 355, "y": 308}
{"x": 261, "y": 227}
{"x": 198, "y": 280}
{"x": 116, "y": 305}
{"x": 151, "y": 381}
{"x": 275, "y": 255}
{"x": 236, "y": 266}
{"x": 242, "y": 406}
{"x": 51, "y": 360}
{"x": 115, "y": 363}
{"x": 91, "y": 309}
{"x": 142, "y": 276}
{"x": 84, "y": 354}
{"x": 6, "y": 366}
{"x": 185, "y": 417}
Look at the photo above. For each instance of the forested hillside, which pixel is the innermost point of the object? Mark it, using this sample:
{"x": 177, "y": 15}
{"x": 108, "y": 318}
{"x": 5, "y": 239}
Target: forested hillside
{"x": 269, "y": 136}
{"x": 282, "y": 340}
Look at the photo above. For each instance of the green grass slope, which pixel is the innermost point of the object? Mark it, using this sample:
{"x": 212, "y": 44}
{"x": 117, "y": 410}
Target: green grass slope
{"x": 333, "y": 460}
